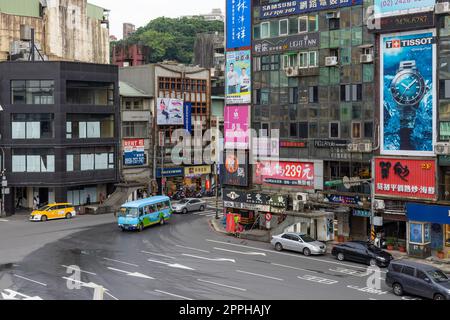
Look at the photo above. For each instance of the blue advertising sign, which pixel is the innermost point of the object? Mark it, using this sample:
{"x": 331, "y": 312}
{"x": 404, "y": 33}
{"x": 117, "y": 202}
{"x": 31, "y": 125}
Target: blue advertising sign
{"x": 397, "y": 7}
{"x": 170, "y": 172}
{"x": 133, "y": 152}
{"x": 188, "y": 116}
{"x": 408, "y": 93}
{"x": 239, "y": 30}
{"x": 295, "y": 7}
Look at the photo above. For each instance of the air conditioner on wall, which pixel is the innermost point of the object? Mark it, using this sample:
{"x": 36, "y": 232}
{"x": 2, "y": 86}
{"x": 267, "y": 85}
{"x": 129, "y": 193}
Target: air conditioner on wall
{"x": 333, "y": 15}
{"x": 442, "y": 8}
{"x": 366, "y": 58}
{"x": 442, "y": 148}
{"x": 292, "y": 71}
{"x": 331, "y": 61}
{"x": 300, "y": 199}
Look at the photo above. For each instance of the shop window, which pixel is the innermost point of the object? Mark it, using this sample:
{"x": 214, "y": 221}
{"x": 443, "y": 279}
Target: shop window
{"x": 334, "y": 130}
{"x": 284, "y": 27}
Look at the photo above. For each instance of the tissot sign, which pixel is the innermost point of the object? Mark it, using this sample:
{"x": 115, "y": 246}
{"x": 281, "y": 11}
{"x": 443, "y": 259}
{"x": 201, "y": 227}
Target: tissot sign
{"x": 405, "y": 178}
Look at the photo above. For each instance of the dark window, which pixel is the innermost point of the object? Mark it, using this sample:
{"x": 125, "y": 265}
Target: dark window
{"x": 293, "y": 130}
{"x": 314, "y": 94}
{"x": 334, "y": 23}
{"x": 444, "y": 89}
{"x": 351, "y": 92}
{"x": 90, "y": 93}
{"x": 421, "y": 275}
{"x": 303, "y": 130}
{"x": 368, "y": 130}
{"x": 397, "y": 267}
{"x": 32, "y": 92}
{"x": 334, "y": 130}
{"x": 293, "y": 95}
{"x": 408, "y": 271}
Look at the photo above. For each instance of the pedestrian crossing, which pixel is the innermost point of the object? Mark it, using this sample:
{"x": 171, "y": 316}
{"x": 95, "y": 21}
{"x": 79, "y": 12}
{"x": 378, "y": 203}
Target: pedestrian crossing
{"x": 207, "y": 213}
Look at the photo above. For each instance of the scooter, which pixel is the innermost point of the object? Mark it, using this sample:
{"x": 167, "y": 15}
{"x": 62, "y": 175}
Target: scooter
{"x": 380, "y": 242}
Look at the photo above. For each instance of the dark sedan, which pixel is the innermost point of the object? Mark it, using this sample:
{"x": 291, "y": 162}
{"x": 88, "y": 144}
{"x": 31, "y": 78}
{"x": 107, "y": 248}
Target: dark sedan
{"x": 363, "y": 252}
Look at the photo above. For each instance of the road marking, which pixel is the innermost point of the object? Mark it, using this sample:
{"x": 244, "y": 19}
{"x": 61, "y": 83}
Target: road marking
{"x": 288, "y": 254}
{"x": 259, "y": 275}
{"x": 209, "y": 259}
{"x": 4, "y": 220}
{"x": 118, "y": 261}
{"x": 318, "y": 279}
{"x": 410, "y": 298}
{"x": 85, "y": 284}
{"x": 240, "y": 252}
{"x": 82, "y": 271}
{"x": 289, "y": 267}
{"x": 11, "y": 295}
{"x": 350, "y": 272}
{"x": 31, "y": 280}
{"x": 222, "y": 285}
{"x": 368, "y": 290}
{"x": 173, "y": 295}
{"x": 109, "y": 294}
{"x": 373, "y": 299}
{"x": 132, "y": 274}
{"x": 157, "y": 254}
{"x": 172, "y": 265}
{"x": 199, "y": 250}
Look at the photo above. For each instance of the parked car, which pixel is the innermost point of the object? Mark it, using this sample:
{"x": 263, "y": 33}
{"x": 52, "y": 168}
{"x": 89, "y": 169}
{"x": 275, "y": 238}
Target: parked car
{"x": 189, "y": 205}
{"x": 361, "y": 251}
{"x": 54, "y": 211}
{"x": 298, "y": 242}
{"x": 418, "y": 279}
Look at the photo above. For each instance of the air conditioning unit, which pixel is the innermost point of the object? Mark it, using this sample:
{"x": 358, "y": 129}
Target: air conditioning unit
{"x": 331, "y": 61}
{"x": 379, "y": 205}
{"x": 333, "y": 15}
{"x": 300, "y": 200}
{"x": 442, "y": 148}
{"x": 366, "y": 58}
{"x": 365, "y": 147}
{"x": 442, "y": 8}
{"x": 292, "y": 71}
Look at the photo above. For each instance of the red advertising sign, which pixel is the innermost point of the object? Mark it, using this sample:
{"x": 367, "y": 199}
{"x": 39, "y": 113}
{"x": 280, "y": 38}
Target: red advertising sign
{"x": 296, "y": 174}
{"x": 405, "y": 178}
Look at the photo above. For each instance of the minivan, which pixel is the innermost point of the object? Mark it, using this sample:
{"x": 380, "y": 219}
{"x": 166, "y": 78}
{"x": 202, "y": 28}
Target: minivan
{"x": 418, "y": 279}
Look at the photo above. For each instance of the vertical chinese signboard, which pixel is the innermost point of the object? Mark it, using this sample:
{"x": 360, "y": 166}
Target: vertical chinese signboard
{"x": 133, "y": 152}
{"x": 236, "y": 126}
{"x": 238, "y": 24}
{"x": 406, "y": 178}
{"x": 408, "y": 93}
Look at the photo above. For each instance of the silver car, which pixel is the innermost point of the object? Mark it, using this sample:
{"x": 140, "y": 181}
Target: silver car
{"x": 298, "y": 242}
{"x": 189, "y": 205}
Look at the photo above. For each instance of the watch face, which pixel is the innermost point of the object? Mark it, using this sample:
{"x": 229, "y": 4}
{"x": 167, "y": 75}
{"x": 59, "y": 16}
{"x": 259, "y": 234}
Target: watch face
{"x": 408, "y": 87}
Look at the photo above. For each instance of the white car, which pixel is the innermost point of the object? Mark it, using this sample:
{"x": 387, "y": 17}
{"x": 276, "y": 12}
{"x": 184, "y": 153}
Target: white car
{"x": 189, "y": 205}
{"x": 298, "y": 242}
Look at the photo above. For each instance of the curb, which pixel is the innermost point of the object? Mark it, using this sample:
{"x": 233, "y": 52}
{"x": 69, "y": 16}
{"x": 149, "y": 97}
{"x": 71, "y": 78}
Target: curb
{"x": 215, "y": 228}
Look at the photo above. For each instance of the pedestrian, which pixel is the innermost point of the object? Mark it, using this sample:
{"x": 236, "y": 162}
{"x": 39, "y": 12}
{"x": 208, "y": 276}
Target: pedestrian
{"x": 35, "y": 203}
{"x": 88, "y": 200}
{"x": 38, "y": 202}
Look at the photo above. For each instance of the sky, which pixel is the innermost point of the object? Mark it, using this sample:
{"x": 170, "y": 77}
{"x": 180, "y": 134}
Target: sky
{"x": 140, "y": 12}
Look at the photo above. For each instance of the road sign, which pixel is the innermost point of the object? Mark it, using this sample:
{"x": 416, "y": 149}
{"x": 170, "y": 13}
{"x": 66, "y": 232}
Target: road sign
{"x": 268, "y": 217}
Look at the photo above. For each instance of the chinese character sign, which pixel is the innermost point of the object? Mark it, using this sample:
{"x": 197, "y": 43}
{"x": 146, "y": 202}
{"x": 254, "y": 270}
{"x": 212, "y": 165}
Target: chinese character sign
{"x": 408, "y": 94}
{"x": 238, "y": 77}
{"x": 396, "y": 7}
{"x": 238, "y": 24}
{"x": 236, "y": 169}
{"x": 297, "y": 174}
{"x": 133, "y": 152}
{"x": 405, "y": 178}
{"x": 236, "y": 125}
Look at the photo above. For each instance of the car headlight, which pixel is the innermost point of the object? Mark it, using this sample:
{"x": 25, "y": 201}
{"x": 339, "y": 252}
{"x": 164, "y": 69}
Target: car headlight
{"x": 381, "y": 258}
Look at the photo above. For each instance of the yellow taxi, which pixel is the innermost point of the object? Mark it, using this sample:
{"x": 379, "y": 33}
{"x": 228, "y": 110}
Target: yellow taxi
{"x": 54, "y": 211}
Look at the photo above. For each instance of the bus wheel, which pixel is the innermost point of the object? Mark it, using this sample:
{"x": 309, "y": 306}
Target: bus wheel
{"x": 140, "y": 228}
{"x": 161, "y": 221}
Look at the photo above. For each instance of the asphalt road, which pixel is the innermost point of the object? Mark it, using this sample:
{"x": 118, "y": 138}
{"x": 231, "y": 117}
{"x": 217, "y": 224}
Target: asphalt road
{"x": 184, "y": 259}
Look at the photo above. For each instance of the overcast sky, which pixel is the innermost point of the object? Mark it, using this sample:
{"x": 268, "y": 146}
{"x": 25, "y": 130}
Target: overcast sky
{"x": 140, "y": 12}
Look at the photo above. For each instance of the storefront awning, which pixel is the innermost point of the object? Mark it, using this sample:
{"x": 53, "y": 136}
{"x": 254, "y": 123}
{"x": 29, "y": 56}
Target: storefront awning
{"x": 428, "y": 213}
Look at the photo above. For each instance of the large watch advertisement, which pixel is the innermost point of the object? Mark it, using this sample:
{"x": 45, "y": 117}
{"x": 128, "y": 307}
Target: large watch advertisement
{"x": 408, "y": 93}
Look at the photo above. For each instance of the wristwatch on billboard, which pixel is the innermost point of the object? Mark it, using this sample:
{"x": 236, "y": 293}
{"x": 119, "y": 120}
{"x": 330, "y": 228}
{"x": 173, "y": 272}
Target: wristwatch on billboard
{"x": 408, "y": 88}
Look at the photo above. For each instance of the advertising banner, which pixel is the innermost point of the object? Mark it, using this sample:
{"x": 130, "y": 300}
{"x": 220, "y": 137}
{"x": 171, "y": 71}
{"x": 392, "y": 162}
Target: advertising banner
{"x": 422, "y": 20}
{"x": 398, "y": 7}
{"x": 295, "y": 7}
{"x": 236, "y": 170}
{"x": 170, "y": 112}
{"x": 296, "y": 174}
{"x": 238, "y": 77}
{"x": 236, "y": 125}
{"x": 196, "y": 171}
{"x": 295, "y": 42}
{"x": 239, "y": 18}
{"x": 408, "y": 93}
{"x": 133, "y": 152}
{"x": 405, "y": 178}
{"x": 188, "y": 116}
{"x": 170, "y": 172}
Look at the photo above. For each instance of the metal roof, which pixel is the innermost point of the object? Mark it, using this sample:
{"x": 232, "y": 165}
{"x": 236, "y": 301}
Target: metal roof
{"x": 129, "y": 91}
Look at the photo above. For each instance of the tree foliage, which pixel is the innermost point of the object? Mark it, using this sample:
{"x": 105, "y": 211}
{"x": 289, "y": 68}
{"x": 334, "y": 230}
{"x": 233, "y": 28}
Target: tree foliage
{"x": 172, "y": 39}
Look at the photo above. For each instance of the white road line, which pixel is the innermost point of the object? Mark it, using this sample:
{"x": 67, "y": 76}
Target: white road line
{"x": 157, "y": 254}
{"x": 259, "y": 275}
{"x": 109, "y": 294}
{"x": 40, "y": 283}
{"x": 288, "y": 254}
{"x": 368, "y": 290}
{"x": 318, "y": 279}
{"x": 289, "y": 267}
{"x": 372, "y": 299}
{"x": 118, "y": 261}
{"x": 240, "y": 252}
{"x": 199, "y": 250}
{"x": 132, "y": 274}
{"x": 222, "y": 285}
{"x": 4, "y": 220}
{"x": 209, "y": 259}
{"x": 172, "y": 265}
{"x": 82, "y": 271}
{"x": 173, "y": 295}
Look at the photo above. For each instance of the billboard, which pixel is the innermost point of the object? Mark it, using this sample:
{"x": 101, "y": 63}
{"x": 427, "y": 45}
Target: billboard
{"x": 283, "y": 173}
{"x": 238, "y": 77}
{"x": 236, "y": 125}
{"x": 408, "y": 93}
{"x": 239, "y": 18}
{"x": 188, "y": 116}
{"x": 236, "y": 170}
{"x": 398, "y": 7}
{"x": 290, "y": 43}
{"x": 133, "y": 152}
{"x": 170, "y": 112}
{"x": 295, "y": 7}
{"x": 405, "y": 178}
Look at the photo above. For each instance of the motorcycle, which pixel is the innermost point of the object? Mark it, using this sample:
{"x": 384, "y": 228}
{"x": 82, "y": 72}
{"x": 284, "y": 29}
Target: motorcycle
{"x": 380, "y": 241}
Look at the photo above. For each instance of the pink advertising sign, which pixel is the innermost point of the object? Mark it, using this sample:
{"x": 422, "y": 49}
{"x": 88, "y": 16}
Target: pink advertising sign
{"x": 236, "y": 125}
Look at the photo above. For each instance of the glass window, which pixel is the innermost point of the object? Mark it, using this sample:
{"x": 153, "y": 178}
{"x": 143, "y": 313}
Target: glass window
{"x": 19, "y": 163}
{"x": 368, "y": 72}
{"x": 274, "y": 29}
{"x": 87, "y": 162}
{"x": 447, "y": 235}
{"x": 303, "y": 60}
{"x": 356, "y": 130}
{"x": 368, "y": 130}
{"x": 284, "y": 27}
{"x": 303, "y": 130}
{"x": 32, "y": 92}
{"x": 90, "y": 93}
{"x": 313, "y": 59}
{"x": 257, "y": 32}
{"x": 313, "y": 94}
{"x": 32, "y": 126}
{"x": 444, "y": 130}
{"x": 313, "y": 23}
{"x": 293, "y": 130}
{"x": 69, "y": 162}
{"x": 33, "y": 160}
{"x": 265, "y": 30}
{"x": 303, "y": 24}
{"x": 408, "y": 271}
{"x": 444, "y": 89}
{"x": 334, "y": 130}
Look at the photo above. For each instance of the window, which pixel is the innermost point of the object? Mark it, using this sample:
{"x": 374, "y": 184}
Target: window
{"x": 313, "y": 94}
{"x": 32, "y": 126}
{"x": 284, "y": 27}
{"x": 368, "y": 130}
{"x": 293, "y": 130}
{"x": 265, "y": 30}
{"x": 351, "y": 92}
{"x": 303, "y": 130}
{"x": 293, "y": 95}
{"x": 312, "y": 59}
{"x": 303, "y": 24}
{"x": 33, "y": 160}
{"x": 90, "y": 93}
{"x": 312, "y": 23}
{"x": 290, "y": 60}
{"x": 135, "y": 129}
{"x": 444, "y": 89}
{"x": 334, "y": 130}
{"x": 356, "y": 130}
{"x": 334, "y": 23}
{"x": 89, "y": 159}
{"x": 32, "y": 92}
{"x": 408, "y": 271}
{"x": 82, "y": 126}
{"x": 421, "y": 275}
{"x": 447, "y": 235}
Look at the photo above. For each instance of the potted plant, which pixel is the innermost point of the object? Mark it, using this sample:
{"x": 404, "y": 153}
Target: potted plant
{"x": 440, "y": 253}
{"x": 390, "y": 244}
{"x": 341, "y": 239}
{"x": 402, "y": 246}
